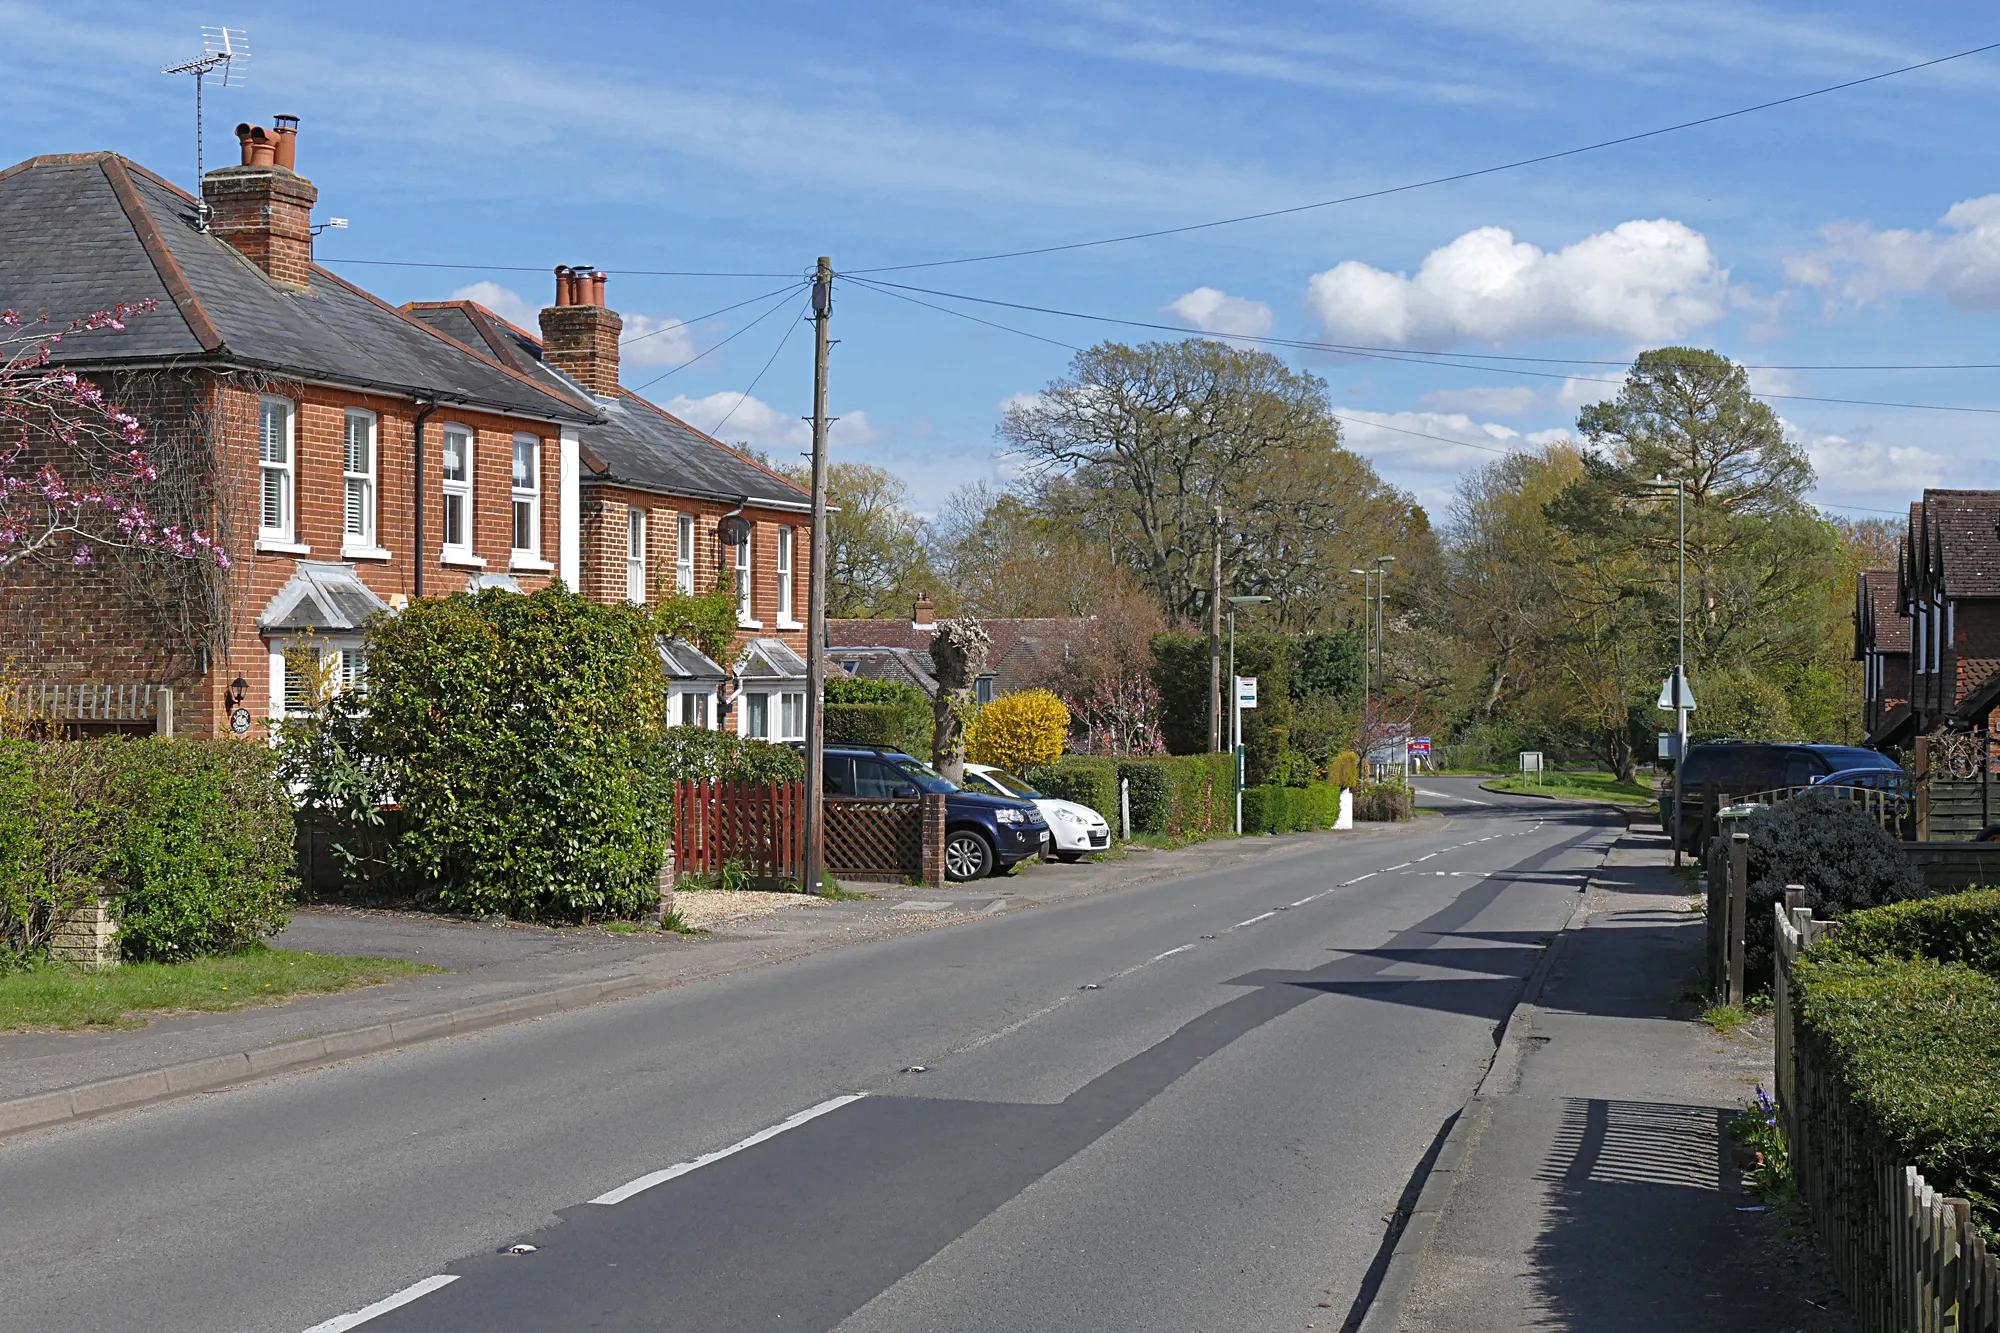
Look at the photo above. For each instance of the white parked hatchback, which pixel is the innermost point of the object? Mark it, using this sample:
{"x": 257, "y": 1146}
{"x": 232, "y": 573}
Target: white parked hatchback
{"x": 1078, "y": 829}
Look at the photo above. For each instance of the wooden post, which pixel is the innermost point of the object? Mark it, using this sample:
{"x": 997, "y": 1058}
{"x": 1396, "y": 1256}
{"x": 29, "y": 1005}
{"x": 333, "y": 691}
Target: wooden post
{"x": 1739, "y": 898}
{"x": 1923, "y": 780}
{"x": 163, "y": 716}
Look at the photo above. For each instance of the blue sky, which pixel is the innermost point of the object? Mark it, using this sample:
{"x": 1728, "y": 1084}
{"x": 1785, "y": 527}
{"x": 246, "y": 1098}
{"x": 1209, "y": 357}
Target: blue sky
{"x": 1862, "y": 227}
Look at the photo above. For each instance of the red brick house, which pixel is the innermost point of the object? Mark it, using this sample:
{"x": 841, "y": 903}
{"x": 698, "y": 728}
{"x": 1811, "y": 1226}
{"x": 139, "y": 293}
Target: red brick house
{"x": 1948, "y": 588}
{"x": 1882, "y": 646}
{"x": 350, "y": 455}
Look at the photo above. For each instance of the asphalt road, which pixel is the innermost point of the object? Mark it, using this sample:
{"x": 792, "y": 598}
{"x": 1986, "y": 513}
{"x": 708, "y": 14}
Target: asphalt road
{"x": 1190, "y": 1104}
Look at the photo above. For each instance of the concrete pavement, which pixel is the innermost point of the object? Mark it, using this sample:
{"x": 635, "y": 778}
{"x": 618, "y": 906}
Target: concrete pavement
{"x": 1597, "y": 1188}
{"x": 1188, "y": 1103}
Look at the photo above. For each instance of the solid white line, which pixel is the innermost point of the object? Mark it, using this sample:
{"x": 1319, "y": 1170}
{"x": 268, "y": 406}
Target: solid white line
{"x": 1169, "y": 953}
{"x": 1426, "y": 858}
{"x": 1303, "y": 901}
{"x": 1404, "y": 866}
{"x": 646, "y": 1182}
{"x": 1253, "y": 920}
{"x": 341, "y": 1323}
{"x": 1358, "y": 878}
{"x": 1011, "y": 1027}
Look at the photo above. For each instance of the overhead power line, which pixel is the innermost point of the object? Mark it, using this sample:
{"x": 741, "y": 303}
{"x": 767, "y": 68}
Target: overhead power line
{"x": 744, "y": 397}
{"x": 545, "y": 268}
{"x": 688, "y": 323}
{"x": 1438, "y": 180}
{"x": 716, "y": 347}
{"x": 1448, "y": 360}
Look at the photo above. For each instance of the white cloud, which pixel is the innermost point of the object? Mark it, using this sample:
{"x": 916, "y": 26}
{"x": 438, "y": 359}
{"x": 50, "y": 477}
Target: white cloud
{"x": 732, "y": 416}
{"x": 1491, "y": 399}
{"x": 656, "y": 342}
{"x": 1644, "y": 281}
{"x": 1427, "y": 441}
{"x": 1214, "y": 311}
{"x": 1872, "y": 472}
{"x": 507, "y": 304}
{"x": 1856, "y": 264}
{"x": 1578, "y": 390}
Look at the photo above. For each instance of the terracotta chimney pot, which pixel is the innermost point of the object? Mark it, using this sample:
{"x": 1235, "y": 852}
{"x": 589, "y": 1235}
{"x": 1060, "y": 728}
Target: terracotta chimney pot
{"x": 580, "y": 333}
{"x": 285, "y": 131}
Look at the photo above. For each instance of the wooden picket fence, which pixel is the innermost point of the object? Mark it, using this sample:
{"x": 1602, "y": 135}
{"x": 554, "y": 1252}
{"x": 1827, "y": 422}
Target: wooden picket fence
{"x": 1909, "y": 1259}
{"x": 79, "y": 707}
{"x": 760, "y": 826}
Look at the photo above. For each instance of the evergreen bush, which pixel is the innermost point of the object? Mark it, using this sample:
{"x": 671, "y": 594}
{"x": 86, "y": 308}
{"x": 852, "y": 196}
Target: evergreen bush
{"x": 1845, "y": 860}
{"x": 910, "y": 703}
{"x": 866, "y": 724}
{"x": 1955, "y": 928}
{"x": 1151, "y": 792}
{"x": 696, "y": 754}
{"x": 1086, "y": 779}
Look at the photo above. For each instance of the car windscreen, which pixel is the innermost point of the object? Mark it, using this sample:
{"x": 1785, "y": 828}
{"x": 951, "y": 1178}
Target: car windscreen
{"x": 1010, "y": 785}
{"x": 1853, "y": 756}
{"x": 926, "y": 777}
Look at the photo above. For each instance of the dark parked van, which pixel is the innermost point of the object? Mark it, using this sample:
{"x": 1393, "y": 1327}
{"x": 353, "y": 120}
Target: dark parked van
{"x": 1743, "y": 767}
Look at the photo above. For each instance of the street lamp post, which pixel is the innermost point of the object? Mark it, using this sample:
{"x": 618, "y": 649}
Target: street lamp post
{"x": 1236, "y": 702}
{"x": 1660, "y": 483}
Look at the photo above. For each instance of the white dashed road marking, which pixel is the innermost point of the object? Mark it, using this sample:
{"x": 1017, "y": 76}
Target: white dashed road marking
{"x": 646, "y": 1182}
{"x": 341, "y": 1323}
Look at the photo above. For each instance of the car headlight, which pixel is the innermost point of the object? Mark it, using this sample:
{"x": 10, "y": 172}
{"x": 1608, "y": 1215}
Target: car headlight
{"x": 1008, "y": 815}
{"x": 1070, "y": 817}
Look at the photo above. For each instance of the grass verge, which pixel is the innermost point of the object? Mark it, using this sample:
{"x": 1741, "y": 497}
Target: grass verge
{"x": 1579, "y": 786}
{"x": 129, "y": 995}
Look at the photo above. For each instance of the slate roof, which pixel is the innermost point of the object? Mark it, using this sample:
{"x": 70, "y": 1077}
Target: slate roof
{"x": 322, "y": 596}
{"x": 1965, "y": 528}
{"x": 82, "y": 232}
{"x": 905, "y": 666}
{"x": 769, "y": 660}
{"x": 1032, "y": 635}
{"x": 684, "y": 662}
{"x": 634, "y": 442}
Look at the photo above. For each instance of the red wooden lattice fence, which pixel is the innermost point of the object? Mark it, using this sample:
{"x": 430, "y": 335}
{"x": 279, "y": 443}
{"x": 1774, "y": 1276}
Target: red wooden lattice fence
{"x": 761, "y": 826}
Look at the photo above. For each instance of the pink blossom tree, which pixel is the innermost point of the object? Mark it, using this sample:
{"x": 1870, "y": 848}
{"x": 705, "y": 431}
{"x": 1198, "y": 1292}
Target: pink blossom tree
{"x": 1119, "y": 715}
{"x": 73, "y": 467}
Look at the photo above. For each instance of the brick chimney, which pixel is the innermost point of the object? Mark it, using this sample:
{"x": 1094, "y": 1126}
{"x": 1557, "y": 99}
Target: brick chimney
{"x": 579, "y": 335}
{"x": 262, "y": 206}
{"x": 921, "y": 615}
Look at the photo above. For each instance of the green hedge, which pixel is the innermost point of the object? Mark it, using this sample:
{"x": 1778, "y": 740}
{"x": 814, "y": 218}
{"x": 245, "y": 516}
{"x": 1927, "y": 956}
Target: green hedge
{"x": 1086, "y": 779}
{"x": 521, "y": 737}
{"x": 866, "y": 724}
{"x": 1956, "y": 928}
{"x": 696, "y": 754}
{"x": 1150, "y": 790}
{"x": 1917, "y": 1046}
{"x": 1276, "y": 809}
{"x": 1385, "y": 802}
{"x": 910, "y": 703}
{"x": 192, "y": 840}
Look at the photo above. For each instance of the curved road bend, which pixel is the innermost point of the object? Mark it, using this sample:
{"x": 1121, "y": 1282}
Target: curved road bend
{"x": 1185, "y": 1105}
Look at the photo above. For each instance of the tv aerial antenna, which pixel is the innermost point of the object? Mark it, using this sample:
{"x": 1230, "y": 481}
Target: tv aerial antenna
{"x": 224, "y": 53}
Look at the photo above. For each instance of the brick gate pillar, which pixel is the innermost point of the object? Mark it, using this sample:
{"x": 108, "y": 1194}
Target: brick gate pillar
{"x": 933, "y": 867}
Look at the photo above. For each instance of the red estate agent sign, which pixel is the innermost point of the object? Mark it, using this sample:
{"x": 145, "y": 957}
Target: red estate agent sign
{"x": 1420, "y": 745}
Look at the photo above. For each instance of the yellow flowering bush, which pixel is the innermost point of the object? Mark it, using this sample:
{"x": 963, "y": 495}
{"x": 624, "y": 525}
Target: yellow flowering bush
{"x": 1018, "y": 730}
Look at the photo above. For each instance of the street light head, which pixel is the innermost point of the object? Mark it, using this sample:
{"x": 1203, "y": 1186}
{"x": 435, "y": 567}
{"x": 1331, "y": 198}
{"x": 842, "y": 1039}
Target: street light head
{"x": 1384, "y": 559}
{"x": 1364, "y": 573}
{"x": 1247, "y": 600}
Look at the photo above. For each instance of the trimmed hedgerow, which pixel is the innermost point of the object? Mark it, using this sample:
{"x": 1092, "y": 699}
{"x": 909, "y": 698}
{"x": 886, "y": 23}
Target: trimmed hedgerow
{"x": 1086, "y": 779}
{"x": 1279, "y": 809}
{"x": 866, "y": 724}
{"x": 1916, "y": 1045}
{"x": 1957, "y": 928}
{"x": 521, "y": 737}
{"x": 1845, "y": 860}
{"x": 1151, "y": 792}
{"x": 912, "y": 707}
{"x": 696, "y": 754}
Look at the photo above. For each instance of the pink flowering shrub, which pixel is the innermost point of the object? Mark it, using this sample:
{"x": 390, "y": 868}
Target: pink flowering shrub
{"x": 52, "y": 420}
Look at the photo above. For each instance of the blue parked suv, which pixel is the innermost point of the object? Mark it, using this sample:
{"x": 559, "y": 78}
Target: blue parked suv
{"x": 982, "y": 834}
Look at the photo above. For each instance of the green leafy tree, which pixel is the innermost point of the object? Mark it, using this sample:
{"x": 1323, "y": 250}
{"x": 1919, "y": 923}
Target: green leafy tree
{"x": 876, "y": 555}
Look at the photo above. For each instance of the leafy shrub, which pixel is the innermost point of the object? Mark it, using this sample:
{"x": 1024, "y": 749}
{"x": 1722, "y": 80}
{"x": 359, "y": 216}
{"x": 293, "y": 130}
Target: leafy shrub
{"x": 866, "y": 724}
{"x": 696, "y": 754}
{"x": 1202, "y": 788}
{"x": 1957, "y": 928}
{"x": 1279, "y": 809}
{"x": 1019, "y": 730}
{"x": 521, "y": 736}
{"x": 51, "y": 811}
{"x": 1345, "y": 770}
{"x": 1917, "y": 1046}
{"x": 1085, "y": 779}
{"x": 1151, "y": 792}
{"x": 706, "y": 619}
{"x": 911, "y": 705}
{"x": 198, "y": 853}
{"x": 1845, "y": 860}
{"x": 1385, "y": 802}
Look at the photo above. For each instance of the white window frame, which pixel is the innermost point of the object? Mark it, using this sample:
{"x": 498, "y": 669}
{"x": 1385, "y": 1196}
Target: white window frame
{"x": 635, "y": 555}
{"x": 458, "y": 552}
{"x": 791, "y": 715}
{"x": 360, "y": 487}
{"x": 756, "y": 703}
{"x": 279, "y": 472}
{"x": 698, "y": 701}
{"x": 684, "y": 554}
{"x": 745, "y": 608}
{"x": 787, "y": 547}
{"x": 350, "y": 667}
{"x": 530, "y": 497}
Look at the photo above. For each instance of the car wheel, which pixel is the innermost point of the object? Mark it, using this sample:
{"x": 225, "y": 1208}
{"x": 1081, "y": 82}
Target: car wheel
{"x": 1069, "y": 856}
{"x": 967, "y": 855}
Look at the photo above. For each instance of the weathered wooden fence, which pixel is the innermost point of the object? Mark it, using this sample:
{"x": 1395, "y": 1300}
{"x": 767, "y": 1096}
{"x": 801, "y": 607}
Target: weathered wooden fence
{"x": 1909, "y": 1259}
{"x": 760, "y": 826}
{"x": 95, "y": 707}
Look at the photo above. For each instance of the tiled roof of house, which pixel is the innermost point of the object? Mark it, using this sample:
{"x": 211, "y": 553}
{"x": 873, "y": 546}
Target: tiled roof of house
{"x": 906, "y": 666}
{"x": 1008, "y": 634}
{"x": 1966, "y": 540}
{"x": 1884, "y": 627}
{"x": 83, "y": 232}
{"x": 634, "y": 442}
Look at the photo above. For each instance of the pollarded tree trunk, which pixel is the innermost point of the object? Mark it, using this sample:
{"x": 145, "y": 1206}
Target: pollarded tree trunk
{"x": 958, "y": 650}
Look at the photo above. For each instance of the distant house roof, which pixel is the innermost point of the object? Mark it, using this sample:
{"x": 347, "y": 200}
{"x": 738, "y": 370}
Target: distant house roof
{"x": 1882, "y": 627}
{"x": 83, "y": 232}
{"x": 905, "y": 666}
{"x": 1967, "y": 528}
{"x": 1026, "y": 650}
{"x": 633, "y": 442}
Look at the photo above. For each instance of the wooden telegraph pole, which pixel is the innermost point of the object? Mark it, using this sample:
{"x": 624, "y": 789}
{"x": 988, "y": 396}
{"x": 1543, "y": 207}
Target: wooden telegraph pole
{"x": 1215, "y": 694}
{"x": 822, "y": 306}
